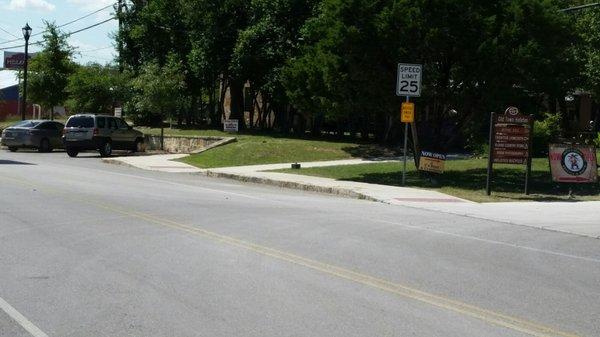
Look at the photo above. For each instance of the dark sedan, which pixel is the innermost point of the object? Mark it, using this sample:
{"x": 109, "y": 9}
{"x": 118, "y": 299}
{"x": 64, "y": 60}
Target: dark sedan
{"x": 43, "y": 135}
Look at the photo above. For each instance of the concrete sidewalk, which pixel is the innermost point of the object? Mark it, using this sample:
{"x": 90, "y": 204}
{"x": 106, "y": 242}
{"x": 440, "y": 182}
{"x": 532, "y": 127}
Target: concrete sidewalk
{"x": 580, "y": 218}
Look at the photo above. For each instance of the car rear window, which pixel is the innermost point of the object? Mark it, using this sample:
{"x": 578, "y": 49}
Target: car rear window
{"x": 80, "y": 122}
{"x": 26, "y": 124}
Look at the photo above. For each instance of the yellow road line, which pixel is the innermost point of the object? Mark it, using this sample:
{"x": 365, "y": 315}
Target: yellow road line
{"x": 491, "y": 317}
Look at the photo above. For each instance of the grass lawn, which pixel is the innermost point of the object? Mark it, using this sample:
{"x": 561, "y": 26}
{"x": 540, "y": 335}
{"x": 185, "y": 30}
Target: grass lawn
{"x": 251, "y": 149}
{"x": 464, "y": 179}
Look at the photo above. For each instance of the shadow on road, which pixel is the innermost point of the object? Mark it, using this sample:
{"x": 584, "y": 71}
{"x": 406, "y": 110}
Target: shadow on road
{"x": 13, "y": 162}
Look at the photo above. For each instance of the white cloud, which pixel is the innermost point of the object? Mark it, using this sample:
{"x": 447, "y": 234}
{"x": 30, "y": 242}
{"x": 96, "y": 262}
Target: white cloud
{"x": 87, "y": 5}
{"x": 40, "y": 5}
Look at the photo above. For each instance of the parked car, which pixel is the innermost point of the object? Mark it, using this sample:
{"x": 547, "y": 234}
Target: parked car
{"x": 102, "y": 133}
{"x": 43, "y": 135}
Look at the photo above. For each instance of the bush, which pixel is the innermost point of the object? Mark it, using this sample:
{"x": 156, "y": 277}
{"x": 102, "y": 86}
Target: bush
{"x": 597, "y": 140}
{"x": 545, "y": 132}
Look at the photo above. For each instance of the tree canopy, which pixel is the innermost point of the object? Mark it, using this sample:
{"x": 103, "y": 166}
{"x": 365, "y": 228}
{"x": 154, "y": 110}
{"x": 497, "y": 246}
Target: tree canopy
{"x": 50, "y": 69}
{"x": 330, "y": 65}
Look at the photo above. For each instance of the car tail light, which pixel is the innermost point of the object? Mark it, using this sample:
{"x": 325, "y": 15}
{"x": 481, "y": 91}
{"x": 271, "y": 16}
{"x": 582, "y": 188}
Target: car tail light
{"x": 96, "y": 131}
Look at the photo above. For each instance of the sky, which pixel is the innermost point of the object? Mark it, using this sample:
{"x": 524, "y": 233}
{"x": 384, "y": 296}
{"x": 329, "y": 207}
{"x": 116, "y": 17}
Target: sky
{"x": 92, "y": 45}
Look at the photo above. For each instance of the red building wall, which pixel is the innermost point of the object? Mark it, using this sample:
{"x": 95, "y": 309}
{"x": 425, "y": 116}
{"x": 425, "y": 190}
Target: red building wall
{"x": 11, "y": 108}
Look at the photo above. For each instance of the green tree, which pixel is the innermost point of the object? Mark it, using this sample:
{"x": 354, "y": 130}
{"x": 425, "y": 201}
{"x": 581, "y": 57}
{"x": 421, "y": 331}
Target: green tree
{"x": 49, "y": 71}
{"x": 214, "y": 27}
{"x": 264, "y": 47}
{"x": 152, "y": 31}
{"x": 95, "y": 88}
{"x": 588, "y": 25}
{"x": 478, "y": 56}
{"x": 157, "y": 91}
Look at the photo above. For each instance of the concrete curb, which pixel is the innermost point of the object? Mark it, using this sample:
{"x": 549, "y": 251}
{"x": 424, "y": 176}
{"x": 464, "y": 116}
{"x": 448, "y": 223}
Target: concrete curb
{"x": 292, "y": 185}
{"x": 116, "y": 162}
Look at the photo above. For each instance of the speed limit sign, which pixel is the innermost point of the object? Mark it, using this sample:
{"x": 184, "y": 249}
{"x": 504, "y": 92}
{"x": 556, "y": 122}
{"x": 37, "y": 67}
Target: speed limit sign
{"x": 409, "y": 80}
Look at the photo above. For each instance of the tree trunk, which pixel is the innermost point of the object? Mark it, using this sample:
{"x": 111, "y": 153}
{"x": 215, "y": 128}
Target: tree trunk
{"x": 221, "y": 109}
{"x": 212, "y": 111}
{"x": 236, "y": 91}
{"x": 317, "y": 122}
{"x": 365, "y": 128}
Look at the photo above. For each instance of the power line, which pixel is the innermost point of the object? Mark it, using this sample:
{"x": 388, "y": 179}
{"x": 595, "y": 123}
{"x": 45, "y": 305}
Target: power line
{"x": 96, "y": 49}
{"x": 96, "y": 57}
{"x": 92, "y": 26}
{"x": 66, "y": 35}
{"x": 9, "y": 33}
{"x": 60, "y": 26}
{"x": 81, "y": 18}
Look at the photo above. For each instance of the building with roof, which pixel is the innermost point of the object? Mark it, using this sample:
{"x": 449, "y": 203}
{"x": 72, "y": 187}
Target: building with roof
{"x": 9, "y": 94}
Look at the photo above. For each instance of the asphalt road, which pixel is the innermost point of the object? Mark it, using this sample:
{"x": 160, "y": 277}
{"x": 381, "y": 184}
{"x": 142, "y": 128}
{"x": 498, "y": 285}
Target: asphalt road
{"x": 92, "y": 249}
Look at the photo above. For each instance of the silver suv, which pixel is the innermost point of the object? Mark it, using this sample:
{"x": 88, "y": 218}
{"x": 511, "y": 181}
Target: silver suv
{"x": 101, "y": 133}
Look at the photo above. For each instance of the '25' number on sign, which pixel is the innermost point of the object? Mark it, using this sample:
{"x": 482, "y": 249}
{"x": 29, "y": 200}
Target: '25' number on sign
{"x": 411, "y": 86}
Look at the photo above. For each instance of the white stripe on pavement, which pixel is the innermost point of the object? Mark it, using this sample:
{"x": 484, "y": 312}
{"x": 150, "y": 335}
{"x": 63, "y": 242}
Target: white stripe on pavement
{"x": 21, "y": 320}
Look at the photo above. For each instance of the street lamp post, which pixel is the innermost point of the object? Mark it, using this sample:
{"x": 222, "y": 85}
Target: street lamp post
{"x": 26, "y": 35}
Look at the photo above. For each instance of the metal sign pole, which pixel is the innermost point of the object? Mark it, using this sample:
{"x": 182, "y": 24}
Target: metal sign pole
{"x": 529, "y": 155}
{"x": 405, "y": 148}
{"x": 488, "y": 184}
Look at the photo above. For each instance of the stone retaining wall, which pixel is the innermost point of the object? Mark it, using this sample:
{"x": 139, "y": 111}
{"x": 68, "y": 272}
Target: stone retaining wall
{"x": 181, "y": 144}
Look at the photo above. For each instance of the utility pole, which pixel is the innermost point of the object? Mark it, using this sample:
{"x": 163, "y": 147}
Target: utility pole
{"x": 120, "y": 43}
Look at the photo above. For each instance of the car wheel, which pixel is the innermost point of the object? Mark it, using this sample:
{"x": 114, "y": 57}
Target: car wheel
{"x": 138, "y": 146}
{"x": 13, "y": 148}
{"x": 106, "y": 149}
{"x": 45, "y": 146}
{"x": 72, "y": 153}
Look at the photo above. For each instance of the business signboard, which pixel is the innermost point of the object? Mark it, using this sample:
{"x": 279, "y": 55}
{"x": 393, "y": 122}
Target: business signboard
{"x": 512, "y": 134}
{"x": 573, "y": 163}
{"x": 510, "y": 142}
{"x": 231, "y": 125}
{"x": 14, "y": 60}
{"x": 432, "y": 162}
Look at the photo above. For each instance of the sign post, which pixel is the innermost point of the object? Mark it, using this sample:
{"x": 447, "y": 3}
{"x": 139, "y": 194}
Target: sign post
{"x": 510, "y": 143}
{"x": 407, "y": 116}
{"x": 408, "y": 84}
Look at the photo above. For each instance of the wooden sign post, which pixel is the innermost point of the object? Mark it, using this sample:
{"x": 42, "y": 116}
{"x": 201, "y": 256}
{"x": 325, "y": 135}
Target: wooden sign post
{"x": 510, "y": 143}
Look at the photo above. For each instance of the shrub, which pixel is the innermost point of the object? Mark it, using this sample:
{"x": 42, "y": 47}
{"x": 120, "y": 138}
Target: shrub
{"x": 597, "y": 140}
{"x": 545, "y": 132}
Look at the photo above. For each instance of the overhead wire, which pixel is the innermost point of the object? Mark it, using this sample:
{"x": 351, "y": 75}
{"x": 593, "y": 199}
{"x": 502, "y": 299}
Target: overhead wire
{"x": 60, "y": 26}
{"x": 9, "y": 33}
{"x": 66, "y": 35}
{"x": 95, "y": 49}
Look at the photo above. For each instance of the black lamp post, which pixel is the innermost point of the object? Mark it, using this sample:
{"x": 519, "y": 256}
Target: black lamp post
{"x": 26, "y": 35}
